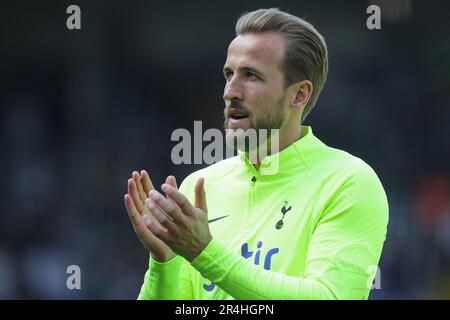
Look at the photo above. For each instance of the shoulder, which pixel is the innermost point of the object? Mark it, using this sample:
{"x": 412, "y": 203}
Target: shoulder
{"x": 336, "y": 166}
{"x": 344, "y": 178}
{"x": 353, "y": 185}
{"x": 351, "y": 169}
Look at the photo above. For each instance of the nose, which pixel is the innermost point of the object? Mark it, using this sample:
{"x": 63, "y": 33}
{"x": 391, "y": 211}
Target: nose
{"x": 233, "y": 90}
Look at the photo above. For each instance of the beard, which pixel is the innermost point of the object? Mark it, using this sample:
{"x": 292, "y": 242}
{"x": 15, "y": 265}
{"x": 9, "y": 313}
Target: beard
{"x": 273, "y": 120}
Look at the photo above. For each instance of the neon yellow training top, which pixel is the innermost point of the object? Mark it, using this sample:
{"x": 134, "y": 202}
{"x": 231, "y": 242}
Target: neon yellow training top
{"x": 313, "y": 230}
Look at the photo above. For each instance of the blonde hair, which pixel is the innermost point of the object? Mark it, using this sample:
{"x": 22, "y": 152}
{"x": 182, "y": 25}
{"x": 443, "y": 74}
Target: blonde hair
{"x": 306, "y": 55}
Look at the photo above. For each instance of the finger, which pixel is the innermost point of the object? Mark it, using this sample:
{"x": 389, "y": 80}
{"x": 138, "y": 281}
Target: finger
{"x": 146, "y": 182}
{"x": 166, "y": 205}
{"x": 172, "y": 181}
{"x": 140, "y": 189}
{"x": 136, "y": 220}
{"x": 138, "y": 204}
{"x": 133, "y": 214}
{"x": 133, "y": 192}
{"x": 200, "y": 195}
{"x": 162, "y": 217}
{"x": 152, "y": 228}
{"x": 182, "y": 202}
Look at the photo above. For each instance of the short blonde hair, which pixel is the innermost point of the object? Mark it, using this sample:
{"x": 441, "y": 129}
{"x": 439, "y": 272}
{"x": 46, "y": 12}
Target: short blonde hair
{"x": 306, "y": 55}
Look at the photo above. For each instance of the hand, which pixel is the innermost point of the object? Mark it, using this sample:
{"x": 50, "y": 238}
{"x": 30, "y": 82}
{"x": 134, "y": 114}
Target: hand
{"x": 138, "y": 188}
{"x": 182, "y": 226}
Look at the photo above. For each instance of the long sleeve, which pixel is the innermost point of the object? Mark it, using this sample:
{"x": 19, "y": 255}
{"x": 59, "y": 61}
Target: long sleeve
{"x": 343, "y": 251}
{"x": 167, "y": 281}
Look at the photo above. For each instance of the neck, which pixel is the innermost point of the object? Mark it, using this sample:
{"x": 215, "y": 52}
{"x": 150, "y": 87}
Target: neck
{"x": 287, "y": 136}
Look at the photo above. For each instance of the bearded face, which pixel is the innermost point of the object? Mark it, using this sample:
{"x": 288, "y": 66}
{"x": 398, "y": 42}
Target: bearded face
{"x": 254, "y": 93}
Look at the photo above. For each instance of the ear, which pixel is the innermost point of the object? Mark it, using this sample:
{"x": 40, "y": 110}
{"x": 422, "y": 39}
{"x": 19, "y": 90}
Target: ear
{"x": 303, "y": 91}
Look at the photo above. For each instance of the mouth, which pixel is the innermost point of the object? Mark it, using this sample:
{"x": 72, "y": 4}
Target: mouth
{"x": 238, "y": 119}
{"x": 235, "y": 114}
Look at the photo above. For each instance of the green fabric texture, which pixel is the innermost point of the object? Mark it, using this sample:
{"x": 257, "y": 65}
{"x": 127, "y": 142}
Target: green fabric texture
{"x": 334, "y": 214}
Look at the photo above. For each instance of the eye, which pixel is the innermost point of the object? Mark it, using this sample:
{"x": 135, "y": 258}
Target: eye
{"x": 228, "y": 74}
{"x": 252, "y": 76}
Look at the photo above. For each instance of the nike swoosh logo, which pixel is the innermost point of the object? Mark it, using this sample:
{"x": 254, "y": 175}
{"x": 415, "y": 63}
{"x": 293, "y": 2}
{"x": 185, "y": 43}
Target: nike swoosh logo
{"x": 212, "y": 220}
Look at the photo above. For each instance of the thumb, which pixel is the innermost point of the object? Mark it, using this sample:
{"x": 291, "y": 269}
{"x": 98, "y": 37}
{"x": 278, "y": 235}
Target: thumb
{"x": 200, "y": 195}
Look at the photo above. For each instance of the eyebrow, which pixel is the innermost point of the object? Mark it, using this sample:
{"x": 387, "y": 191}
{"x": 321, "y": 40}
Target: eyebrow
{"x": 259, "y": 73}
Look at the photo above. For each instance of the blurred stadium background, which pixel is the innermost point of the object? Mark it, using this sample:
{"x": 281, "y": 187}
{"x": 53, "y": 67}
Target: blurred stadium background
{"x": 81, "y": 109}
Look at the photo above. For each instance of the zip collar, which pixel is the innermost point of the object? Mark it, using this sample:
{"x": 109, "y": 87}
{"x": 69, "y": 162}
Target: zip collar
{"x": 288, "y": 160}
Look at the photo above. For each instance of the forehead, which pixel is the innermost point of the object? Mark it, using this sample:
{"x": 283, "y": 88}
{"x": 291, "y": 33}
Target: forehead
{"x": 264, "y": 50}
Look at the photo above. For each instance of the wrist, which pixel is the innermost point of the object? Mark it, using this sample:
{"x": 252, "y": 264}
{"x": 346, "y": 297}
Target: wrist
{"x": 162, "y": 258}
{"x": 195, "y": 254}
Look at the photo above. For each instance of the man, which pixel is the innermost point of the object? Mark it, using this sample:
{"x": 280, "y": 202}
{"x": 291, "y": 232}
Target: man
{"x": 314, "y": 229}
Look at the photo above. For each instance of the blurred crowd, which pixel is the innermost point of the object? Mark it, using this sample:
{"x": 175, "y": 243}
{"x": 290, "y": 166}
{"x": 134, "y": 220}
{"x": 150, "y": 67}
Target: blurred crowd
{"x": 80, "y": 110}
